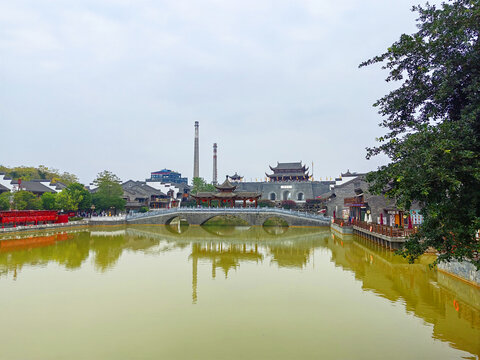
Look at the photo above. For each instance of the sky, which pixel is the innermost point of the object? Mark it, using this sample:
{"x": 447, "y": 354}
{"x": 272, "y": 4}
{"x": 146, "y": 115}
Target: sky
{"x": 117, "y": 85}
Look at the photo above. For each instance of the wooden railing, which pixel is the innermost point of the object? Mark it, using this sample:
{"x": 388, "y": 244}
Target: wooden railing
{"x": 384, "y": 229}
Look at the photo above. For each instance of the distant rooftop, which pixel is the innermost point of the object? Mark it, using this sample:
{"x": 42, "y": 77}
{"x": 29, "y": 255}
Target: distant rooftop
{"x": 289, "y": 166}
{"x": 350, "y": 174}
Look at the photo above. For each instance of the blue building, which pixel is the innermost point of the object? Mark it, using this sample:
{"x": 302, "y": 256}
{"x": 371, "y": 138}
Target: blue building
{"x": 168, "y": 176}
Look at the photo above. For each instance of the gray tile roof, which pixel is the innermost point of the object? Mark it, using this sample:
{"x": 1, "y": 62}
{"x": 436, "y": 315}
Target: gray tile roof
{"x": 292, "y": 165}
{"x": 35, "y": 186}
{"x": 140, "y": 189}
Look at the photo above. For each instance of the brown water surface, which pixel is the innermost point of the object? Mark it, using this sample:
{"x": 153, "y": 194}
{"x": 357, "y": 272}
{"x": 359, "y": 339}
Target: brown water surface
{"x": 226, "y": 293}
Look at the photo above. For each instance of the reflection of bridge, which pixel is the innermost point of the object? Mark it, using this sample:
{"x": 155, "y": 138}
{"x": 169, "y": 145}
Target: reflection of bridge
{"x": 253, "y": 216}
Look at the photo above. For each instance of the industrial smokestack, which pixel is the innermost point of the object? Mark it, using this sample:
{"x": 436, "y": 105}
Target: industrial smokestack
{"x": 214, "y": 182}
{"x": 195, "y": 153}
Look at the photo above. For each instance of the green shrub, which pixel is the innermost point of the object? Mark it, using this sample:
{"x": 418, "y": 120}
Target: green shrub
{"x": 288, "y": 204}
{"x": 265, "y": 203}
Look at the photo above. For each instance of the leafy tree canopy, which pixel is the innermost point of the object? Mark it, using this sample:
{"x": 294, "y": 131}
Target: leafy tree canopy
{"x": 74, "y": 197}
{"x": 433, "y": 127}
{"x": 49, "y": 201}
{"x": 39, "y": 173}
{"x": 82, "y": 194}
{"x": 109, "y": 193}
{"x": 200, "y": 185}
{"x": 25, "y": 200}
{"x": 5, "y": 200}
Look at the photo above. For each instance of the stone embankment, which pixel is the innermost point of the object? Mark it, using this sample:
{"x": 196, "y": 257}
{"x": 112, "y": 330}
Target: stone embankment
{"x": 342, "y": 228}
{"x": 43, "y": 226}
{"x": 107, "y": 220}
{"x": 464, "y": 270}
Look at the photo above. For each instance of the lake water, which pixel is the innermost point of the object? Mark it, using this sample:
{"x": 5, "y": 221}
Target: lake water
{"x": 226, "y": 293}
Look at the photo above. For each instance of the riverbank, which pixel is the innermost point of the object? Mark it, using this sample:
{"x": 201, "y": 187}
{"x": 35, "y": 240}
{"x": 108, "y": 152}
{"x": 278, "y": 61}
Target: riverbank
{"x": 463, "y": 270}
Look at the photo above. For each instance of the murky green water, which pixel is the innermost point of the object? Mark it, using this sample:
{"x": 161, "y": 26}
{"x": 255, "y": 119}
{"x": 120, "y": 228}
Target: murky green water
{"x": 151, "y": 293}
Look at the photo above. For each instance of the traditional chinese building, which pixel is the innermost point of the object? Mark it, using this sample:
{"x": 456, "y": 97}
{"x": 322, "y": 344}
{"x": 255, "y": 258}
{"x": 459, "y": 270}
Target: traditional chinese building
{"x": 289, "y": 172}
{"x": 226, "y": 194}
{"x": 235, "y": 177}
{"x": 289, "y": 181}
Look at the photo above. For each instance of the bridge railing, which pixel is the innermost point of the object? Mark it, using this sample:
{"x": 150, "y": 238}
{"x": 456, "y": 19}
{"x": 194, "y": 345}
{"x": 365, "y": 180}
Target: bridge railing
{"x": 227, "y": 210}
{"x": 107, "y": 218}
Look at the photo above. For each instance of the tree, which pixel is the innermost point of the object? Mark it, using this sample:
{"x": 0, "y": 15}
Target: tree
{"x": 109, "y": 193}
{"x": 49, "y": 201}
{"x": 81, "y": 195}
{"x": 106, "y": 177}
{"x": 42, "y": 172}
{"x": 74, "y": 197}
{"x": 25, "y": 200}
{"x": 200, "y": 185}
{"x": 64, "y": 201}
{"x": 5, "y": 200}
{"x": 433, "y": 122}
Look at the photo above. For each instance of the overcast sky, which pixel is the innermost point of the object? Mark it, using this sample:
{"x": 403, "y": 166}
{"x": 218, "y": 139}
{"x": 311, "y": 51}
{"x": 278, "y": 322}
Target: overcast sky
{"x": 116, "y": 84}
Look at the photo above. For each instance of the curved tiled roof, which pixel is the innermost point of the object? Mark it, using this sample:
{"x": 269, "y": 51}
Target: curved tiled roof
{"x": 227, "y": 185}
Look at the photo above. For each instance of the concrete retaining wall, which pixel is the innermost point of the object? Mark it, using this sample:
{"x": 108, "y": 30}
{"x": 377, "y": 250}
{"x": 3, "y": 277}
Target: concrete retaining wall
{"x": 342, "y": 229}
{"x": 393, "y": 243}
{"x": 463, "y": 270}
{"x": 107, "y": 222}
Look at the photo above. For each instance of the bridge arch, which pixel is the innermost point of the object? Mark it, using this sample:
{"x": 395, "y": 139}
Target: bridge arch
{"x": 275, "y": 221}
{"x": 225, "y": 219}
{"x": 174, "y": 218}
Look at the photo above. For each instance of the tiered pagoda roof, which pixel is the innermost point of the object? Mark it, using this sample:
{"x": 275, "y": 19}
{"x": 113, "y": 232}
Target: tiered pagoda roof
{"x": 294, "y": 171}
{"x": 227, "y": 186}
{"x": 235, "y": 177}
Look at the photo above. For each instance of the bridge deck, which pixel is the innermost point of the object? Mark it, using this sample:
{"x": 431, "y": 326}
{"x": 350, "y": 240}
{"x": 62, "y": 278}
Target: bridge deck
{"x": 253, "y": 216}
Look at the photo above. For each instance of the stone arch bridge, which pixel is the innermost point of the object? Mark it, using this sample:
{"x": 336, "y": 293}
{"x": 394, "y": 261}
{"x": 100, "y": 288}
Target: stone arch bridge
{"x": 253, "y": 216}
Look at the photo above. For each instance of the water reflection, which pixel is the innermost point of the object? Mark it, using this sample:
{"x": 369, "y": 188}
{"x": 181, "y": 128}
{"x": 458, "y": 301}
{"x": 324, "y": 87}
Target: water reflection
{"x": 453, "y": 310}
{"x": 275, "y": 230}
{"x": 226, "y": 256}
{"x": 450, "y": 306}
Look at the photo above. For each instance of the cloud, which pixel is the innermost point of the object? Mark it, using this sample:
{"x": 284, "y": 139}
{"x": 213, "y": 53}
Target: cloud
{"x": 118, "y": 84}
